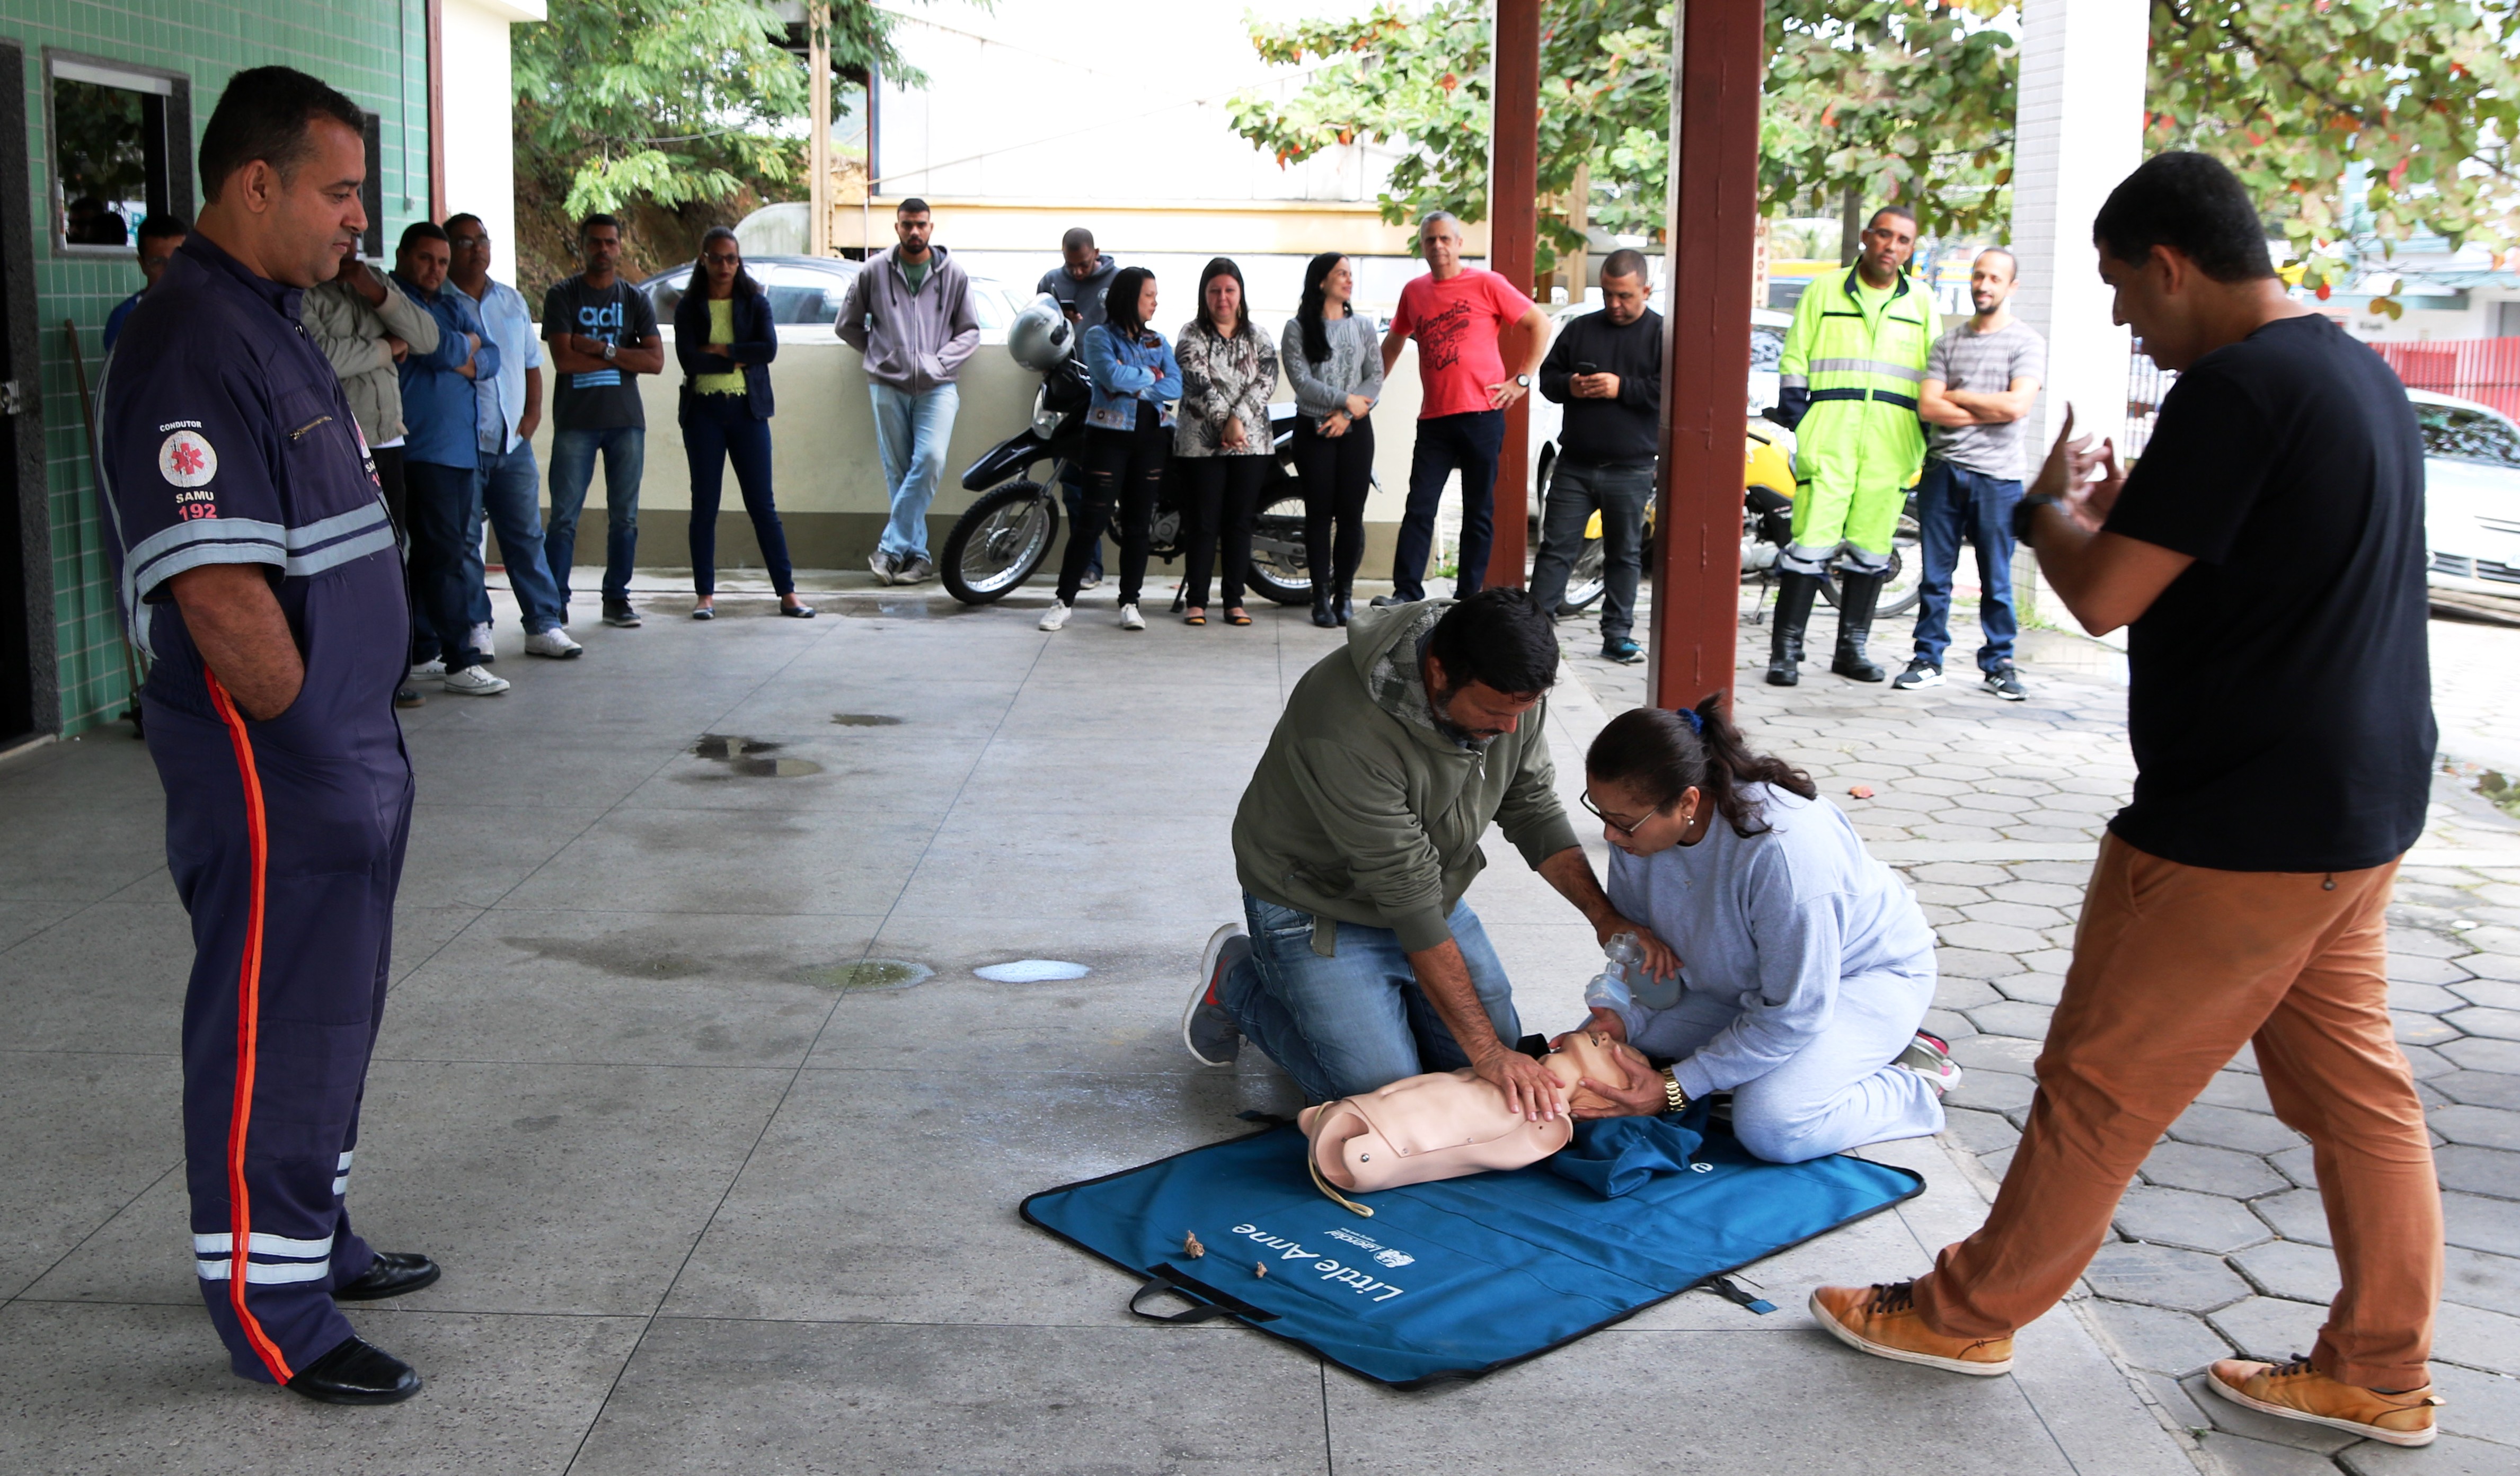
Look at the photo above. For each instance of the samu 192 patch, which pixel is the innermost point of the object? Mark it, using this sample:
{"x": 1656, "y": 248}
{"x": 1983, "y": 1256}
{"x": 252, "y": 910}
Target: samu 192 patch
{"x": 186, "y": 458}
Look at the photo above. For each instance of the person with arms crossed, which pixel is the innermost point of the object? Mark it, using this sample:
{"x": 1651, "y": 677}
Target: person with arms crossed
{"x": 1128, "y": 442}
{"x": 160, "y": 235}
{"x": 1853, "y": 362}
{"x": 1974, "y": 431}
{"x": 1335, "y": 367}
{"x": 509, "y": 409}
{"x": 725, "y": 339}
{"x": 1606, "y": 370}
{"x": 603, "y": 333}
{"x": 442, "y": 458}
{"x": 2276, "y": 520}
{"x": 1457, "y": 314}
{"x": 909, "y": 314}
{"x": 258, "y": 573}
{"x": 1078, "y": 284}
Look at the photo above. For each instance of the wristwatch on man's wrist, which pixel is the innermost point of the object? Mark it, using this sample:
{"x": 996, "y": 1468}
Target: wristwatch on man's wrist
{"x": 2025, "y": 516}
{"x": 1675, "y": 1100}
{"x": 1522, "y": 381}
{"x": 609, "y": 349}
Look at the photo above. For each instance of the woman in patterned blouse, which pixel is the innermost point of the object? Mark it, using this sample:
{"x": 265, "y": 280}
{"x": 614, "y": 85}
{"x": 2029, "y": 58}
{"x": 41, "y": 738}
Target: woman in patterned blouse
{"x": 1222, "y": 435}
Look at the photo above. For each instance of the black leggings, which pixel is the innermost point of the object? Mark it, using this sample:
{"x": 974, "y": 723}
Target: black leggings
{"x": 1337, "y": 471}
{"x": 1224, "y": 500}
{"x": 1126, "y": 468}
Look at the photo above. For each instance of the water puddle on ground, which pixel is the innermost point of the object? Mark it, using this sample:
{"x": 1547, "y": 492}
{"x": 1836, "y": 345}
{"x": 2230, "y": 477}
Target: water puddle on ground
{"x": 751, "y": 758}
{"x": 866, "y": 720}
{"x": 868, "y": 976}
{"x": 1032, "y": 971}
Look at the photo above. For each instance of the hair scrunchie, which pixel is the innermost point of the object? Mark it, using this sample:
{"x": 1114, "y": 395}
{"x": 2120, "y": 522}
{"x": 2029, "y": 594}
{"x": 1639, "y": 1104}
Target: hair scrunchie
{"x": 1696, "y": 723}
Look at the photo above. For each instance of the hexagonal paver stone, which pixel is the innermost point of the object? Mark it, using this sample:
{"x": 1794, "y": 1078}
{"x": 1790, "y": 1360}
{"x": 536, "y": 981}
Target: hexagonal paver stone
{"x": 2011, "y": 1017}
{"x": 2042, "y": 893}
{"x": 2237, "y": 1088}
{"x": 2229, "y": 1128}
{"x": 2296, "y": 1165}
{"x": 2479, "y": 1019}
{"x": 2296, "y": 1214}
{"x": 2188, "y": 1220}
{"x": 2477, "y": 1280}
{"x": 1964, "y": 993}
{"x": 2424, "y": 998}
{"x": 2269, "y": 1328}
{"x": 1993, "y": 937}
{"x": 2480, "y": 1089}
{"x": 2159, "y": 1275}
{"x": 2166, "y": 1342}
{"x": 2484, "y": 1127}
{"x": 2474, "y": 1055}
{"x": 2415, "y": 1029}
{"x": 1997, "y": 1052}
{"x": 2297, "y": 1272}
{"x": 2469, "y": 1220}
{"x": 2033, "y": 989}
{"x": 2208, "y": 1170}
{"x": 2498, "y": 993}
{"x": 2015, "y": 913}
{"x": 2416, "y": 942}
{"x": 2409, "y": 970}
{"x": 2480, "y": 1171}
{"x": 1970, "y": 963}
{"x": 1980, "y": 1132}
{"x": 2477, "y": 1337}
{"x": 1960, "y": 872}
{"x": 1992, "y": 1091}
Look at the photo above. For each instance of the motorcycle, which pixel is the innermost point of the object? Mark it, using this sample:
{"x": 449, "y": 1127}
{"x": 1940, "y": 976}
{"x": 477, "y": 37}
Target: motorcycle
{"x": 1767, "y": 529}
{"x": 1001, "y": 540}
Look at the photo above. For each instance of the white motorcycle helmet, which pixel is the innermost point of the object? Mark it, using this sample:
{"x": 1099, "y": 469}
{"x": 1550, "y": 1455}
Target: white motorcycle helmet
{"x": 1041, "y": 337}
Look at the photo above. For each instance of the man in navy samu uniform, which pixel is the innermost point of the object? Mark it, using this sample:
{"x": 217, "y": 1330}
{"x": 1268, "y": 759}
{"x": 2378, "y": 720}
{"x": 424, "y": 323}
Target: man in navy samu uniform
{"x": 259, "y": 571}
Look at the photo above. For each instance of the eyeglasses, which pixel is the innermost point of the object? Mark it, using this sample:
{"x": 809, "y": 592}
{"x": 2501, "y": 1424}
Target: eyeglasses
{"x": 1624, "y": 827}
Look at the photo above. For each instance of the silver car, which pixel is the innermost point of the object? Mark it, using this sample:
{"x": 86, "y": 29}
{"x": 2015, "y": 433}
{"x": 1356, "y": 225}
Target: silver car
{"x": 2471, "y": 504}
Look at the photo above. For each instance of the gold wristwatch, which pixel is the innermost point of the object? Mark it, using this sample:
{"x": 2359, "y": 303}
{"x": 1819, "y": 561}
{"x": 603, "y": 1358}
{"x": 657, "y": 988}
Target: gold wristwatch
{"x": 1675, "y": 1100}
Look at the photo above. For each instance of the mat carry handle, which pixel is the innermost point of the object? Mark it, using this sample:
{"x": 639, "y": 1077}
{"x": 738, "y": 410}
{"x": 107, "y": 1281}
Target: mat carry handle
{"x": 1206, "y": 1302}
{"x": 1732, "y": 1291}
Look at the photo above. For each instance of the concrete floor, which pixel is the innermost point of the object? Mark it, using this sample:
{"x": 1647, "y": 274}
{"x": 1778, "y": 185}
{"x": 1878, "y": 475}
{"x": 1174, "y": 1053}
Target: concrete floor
{"x": 705, "y": 1207}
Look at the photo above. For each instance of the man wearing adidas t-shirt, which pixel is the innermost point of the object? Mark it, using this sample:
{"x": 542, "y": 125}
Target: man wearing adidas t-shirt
{"x": 602, "y": 332}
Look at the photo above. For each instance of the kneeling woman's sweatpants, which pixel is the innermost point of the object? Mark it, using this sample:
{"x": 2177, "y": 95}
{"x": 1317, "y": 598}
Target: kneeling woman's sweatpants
{"x": 1839, "y": 1092}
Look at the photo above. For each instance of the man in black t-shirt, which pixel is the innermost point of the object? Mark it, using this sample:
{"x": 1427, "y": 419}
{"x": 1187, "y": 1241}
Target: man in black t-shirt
{"x": 2267, "y": 560}
{"x": 603, "y": 333}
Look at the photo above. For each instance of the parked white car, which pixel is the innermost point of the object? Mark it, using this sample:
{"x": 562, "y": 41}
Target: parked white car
{"x": 2471, "y": 497}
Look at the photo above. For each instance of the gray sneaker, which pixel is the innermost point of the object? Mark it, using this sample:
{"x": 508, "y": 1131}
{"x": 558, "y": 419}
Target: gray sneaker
{"x": 917, "y": 570}
{"x": 2006, "y": 683}
{"x": 1211, "y": 1035}
{"x": 879, "y": 563}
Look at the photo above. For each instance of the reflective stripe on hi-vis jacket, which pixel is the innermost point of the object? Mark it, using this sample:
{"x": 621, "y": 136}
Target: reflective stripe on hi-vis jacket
{"x": 1839, "y": 352}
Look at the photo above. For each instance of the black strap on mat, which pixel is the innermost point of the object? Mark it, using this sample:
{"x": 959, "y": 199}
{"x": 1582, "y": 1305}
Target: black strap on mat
{"x": 1206, "y": 1302}
{"x": 1732, "y": 1291}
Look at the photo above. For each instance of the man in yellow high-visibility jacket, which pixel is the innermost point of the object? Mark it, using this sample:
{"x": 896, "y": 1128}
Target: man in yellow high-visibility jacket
{"x": 1853, "y": 362}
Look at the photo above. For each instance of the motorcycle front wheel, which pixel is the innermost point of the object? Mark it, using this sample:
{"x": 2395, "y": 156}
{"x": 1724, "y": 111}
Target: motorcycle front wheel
{"x": 1905, "y": 584}
{"x": 999, "y": 543}
{"x": 1280, "y": 567}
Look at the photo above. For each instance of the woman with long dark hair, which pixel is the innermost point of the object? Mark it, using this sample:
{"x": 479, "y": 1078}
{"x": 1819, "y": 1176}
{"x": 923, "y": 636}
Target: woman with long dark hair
{"x": 1128, "y": 439}
{"x": 1809, "y": 964}
{"x": 1227, "y": 371}
{"x": 1335, "y": 362}
{"x": 724, "y": 339}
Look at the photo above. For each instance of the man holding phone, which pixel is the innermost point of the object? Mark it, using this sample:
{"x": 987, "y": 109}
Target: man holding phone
{"x": 1606, "y": 369}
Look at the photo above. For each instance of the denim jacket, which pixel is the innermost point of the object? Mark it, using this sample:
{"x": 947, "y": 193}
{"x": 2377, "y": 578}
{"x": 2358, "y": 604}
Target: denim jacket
{"x": 1125, "y": 371}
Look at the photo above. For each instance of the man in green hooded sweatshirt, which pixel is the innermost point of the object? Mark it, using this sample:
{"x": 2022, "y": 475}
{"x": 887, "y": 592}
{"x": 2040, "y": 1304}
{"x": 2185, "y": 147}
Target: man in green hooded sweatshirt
{"x": 1356, "y": 838}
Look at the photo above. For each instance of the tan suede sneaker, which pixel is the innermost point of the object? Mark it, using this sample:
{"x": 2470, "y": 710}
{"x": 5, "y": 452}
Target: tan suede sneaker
{"x": 1882, "y": 1320}
{"x": 2297, "y": 1391}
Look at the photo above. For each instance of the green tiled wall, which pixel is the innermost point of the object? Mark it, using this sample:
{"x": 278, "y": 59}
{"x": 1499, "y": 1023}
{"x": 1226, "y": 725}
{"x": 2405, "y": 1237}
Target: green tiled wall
{"x": 377, "y": 51}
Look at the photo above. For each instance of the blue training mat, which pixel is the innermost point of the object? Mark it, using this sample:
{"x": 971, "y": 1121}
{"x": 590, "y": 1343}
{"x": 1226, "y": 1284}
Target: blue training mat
{"x": 1447, "y": 1281}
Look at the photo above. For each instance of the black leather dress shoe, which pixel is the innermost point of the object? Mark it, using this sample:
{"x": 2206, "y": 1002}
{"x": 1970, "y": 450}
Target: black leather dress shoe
{"x": 393, "y": 1273}
{"x": 357, "y": 1374}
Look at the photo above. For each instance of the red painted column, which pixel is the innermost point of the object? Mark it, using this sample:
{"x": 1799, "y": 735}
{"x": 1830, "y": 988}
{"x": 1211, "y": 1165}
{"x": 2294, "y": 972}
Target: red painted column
{"x": 1513, "y": 247}
{"x": 1718, "y": 52}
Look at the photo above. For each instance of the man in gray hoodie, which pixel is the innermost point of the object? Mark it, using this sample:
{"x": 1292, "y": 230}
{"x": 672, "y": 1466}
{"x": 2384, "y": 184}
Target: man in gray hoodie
{"x": 1356, "y": 838}
{"x": 909, "y": 314}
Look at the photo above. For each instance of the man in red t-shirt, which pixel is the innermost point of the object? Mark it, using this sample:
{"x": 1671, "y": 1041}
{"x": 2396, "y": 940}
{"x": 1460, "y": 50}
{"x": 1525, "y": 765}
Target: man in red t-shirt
{"x": 1456, "y": 312}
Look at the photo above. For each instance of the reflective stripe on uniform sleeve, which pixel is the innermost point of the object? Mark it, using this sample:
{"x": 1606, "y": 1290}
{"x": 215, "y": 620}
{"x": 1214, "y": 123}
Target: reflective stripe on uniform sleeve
{"x": 1792, "y": 380}
{"x": 1868, "y": 366}
{"x": 307, "y": 549}
{"x": 257, "y": 1273}
{"x": 260, "y": 1244}
{"x": 303, "y": 565}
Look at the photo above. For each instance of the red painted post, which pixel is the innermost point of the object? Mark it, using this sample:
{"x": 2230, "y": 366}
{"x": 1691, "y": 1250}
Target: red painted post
{"x": 1513, "y": 247}
{"x": 1717, "y": 57}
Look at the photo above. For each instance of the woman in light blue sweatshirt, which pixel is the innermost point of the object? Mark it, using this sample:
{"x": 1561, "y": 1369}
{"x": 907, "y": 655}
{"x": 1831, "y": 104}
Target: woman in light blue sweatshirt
{"x": 1807, "y": 966}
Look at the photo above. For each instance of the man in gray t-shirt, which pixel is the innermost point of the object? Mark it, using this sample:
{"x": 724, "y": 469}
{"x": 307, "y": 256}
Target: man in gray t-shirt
{"x": 1981, "y": 380}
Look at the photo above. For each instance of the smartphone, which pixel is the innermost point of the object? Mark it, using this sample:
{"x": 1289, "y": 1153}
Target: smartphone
{"x": 1587, "y": 367}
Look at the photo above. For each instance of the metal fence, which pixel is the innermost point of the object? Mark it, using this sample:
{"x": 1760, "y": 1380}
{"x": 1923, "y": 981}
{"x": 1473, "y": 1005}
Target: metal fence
{"x": 2147, "y": 384}
{"x": 2484, "y": 369}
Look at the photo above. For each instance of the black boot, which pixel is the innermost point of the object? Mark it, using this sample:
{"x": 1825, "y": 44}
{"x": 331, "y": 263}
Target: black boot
{"x": 1324, "y": 602}
{"x": 1857, "y": 595}
{"x": 1794, "y": 596}
{"x": 1343, "y": 607}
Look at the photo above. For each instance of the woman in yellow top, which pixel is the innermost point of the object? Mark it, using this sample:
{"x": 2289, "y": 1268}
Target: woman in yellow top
{"x": 724, "y": 336}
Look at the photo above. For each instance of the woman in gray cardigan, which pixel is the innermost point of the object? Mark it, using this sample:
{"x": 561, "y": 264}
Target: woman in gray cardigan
{"x": 1221, "y": 438}
{"x": 1333, "y": 359}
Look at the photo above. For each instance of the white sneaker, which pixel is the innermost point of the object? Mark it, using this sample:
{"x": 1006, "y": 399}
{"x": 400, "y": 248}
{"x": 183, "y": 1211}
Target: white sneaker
{"x": 485, "y": 644}
{"x": 434, "y": 666}
{"x": 1056, "y": 615}
{"x": 473, "y": 682}
{"x": 554, "y": 643}
{"x": 1130, "y": 619}
{"x": 1930, "y": 1056}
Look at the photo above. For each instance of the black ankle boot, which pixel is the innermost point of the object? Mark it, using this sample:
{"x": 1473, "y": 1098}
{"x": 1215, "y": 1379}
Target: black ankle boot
{"x": 1794, "y": 595}
{"x": 1324, "y": 613}
{"x": 1857, "y": 595}
{"x": 1343, "y": 607}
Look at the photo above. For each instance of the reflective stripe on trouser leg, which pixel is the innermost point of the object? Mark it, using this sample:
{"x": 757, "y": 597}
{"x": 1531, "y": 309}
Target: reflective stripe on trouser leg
{"x": 285, "y": 843}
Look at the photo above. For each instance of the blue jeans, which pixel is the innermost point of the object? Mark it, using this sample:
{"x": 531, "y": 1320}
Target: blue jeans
{"x": 1953, "y": 501}
{"x": 1470, "y": 443}
{"x": 910, "y": 434}
{"x": 1620, "y": 495}
{"x": 572, "y": 469}
{"x": 718, "y": 428}
{"x": 442, "y": 503}
{"x": 512, "y": 504}
{"x": 1356, "y": 1021}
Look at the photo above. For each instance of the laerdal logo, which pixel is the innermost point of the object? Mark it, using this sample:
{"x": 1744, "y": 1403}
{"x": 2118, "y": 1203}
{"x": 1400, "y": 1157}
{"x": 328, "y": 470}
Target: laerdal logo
{"x": 1330, "y": 1269}
{"x": 1382, "y": 1253}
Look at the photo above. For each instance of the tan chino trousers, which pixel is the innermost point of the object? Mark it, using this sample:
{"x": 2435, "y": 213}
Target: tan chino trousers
{"x": 2175, "y": 967}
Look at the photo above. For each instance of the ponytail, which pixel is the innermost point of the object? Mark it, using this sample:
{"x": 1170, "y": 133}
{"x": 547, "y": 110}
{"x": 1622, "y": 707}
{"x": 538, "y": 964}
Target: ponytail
{"x": 1663, "y": 754}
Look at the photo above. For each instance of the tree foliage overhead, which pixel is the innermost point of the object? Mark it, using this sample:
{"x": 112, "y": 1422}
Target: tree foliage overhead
{"x": 1913, "y": 101}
